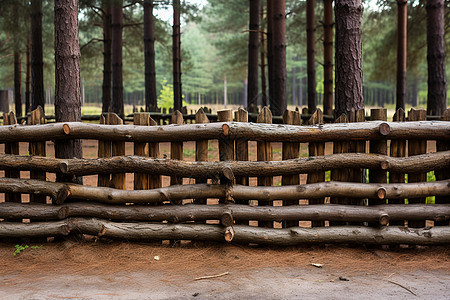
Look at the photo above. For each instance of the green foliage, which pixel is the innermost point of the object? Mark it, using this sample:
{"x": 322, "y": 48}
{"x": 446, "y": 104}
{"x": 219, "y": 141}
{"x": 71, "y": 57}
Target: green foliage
{"x": 20, "y": 248}
{"x": 165, "y": 99}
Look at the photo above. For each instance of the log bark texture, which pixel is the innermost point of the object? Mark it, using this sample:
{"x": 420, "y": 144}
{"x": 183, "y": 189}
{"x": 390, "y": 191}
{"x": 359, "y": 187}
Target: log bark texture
{"x": 242, "y": 234}
{"x": 432, "y": 130}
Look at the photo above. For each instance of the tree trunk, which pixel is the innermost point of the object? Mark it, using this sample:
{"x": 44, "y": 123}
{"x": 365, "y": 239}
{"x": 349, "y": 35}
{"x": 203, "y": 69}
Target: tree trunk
{"x": 107, "y": 64}
{"x": 253, "y": 50}
{"x": 37, "y": 71}
{"x": 328, "y": 57}
{"x": 278, "y": 101}
{"x": 17, "y": 84}
{"x": 310, "y": 54}
{"x": 149, "y": 50}
{"x": 67, "y": 77}
{"x": 28, "y": 77}
{"x": 263, "y": 64}
{"x": 402, "y": 20}
{"x": 176, "y": 54}
{"x": 437, "y": 82}
{"x": 117, "y": 84}
{"x": 348, "y": 17}
{"x": 269, "y": 46}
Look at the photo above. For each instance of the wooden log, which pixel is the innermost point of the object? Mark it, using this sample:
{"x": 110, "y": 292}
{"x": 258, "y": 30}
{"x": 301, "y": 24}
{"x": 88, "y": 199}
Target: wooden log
{"x": 176, "y": 148}
{"x": 316, "y": 149}
{"x": 155, "y": 180}
{"x": 264, "y": 153}
{"x": 201, "y": 149}
{"x": 57, "y": 191}
{"x": 419, "y": 163}
{"x": 226, "y": 213}
{"x": 433, "y": 130}
{"x": 242, "y": 233}
{"x": 241, "y": 115}
{"x": 37, "y": 149}
{"x": 11, "y": 148}
{"x": 104, "y": 150}
{"x": 226, "y": 152}
{"x": 118, "y": 180}
{"x": 442, "y": 174}
{"x": 141, "y": 149}
{"x": 417, "y": 146}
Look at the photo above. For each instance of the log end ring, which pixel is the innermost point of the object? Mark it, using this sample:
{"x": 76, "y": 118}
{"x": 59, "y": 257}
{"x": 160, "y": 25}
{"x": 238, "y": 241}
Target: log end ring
{"x": 226, "y": 129}
{"x": 384, "y": 219}
{"x": 66, "y": 129}
{"x": 229, "y": 234}
{"x": 381, "y": 193}
{"x": 384, "y": 129}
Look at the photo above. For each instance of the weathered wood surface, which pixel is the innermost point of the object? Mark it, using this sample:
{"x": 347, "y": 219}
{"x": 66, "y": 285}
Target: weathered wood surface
{"x": 201, "y": 149}
{"x": 176, "y": 148}
{"x": 104, "y": 150}
{"x": 141, "y": 149}
{"x": 57, "y": 191}
{"x": 419, "y": 163}
{"x": 118, "y": 180}
{"x": 260, "y": 193}
{"x": 11, "y": 148}
{"x": 251, "y": 131}
{"x": 242, "y": 234}
{"x": 38, "y": 148}
{"x": 443, "y": 145}
{"x": 382, "y": 214}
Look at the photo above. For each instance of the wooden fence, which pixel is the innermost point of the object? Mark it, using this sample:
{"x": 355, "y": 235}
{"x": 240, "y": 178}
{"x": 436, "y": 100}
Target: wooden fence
{"x": 357, "y": 194}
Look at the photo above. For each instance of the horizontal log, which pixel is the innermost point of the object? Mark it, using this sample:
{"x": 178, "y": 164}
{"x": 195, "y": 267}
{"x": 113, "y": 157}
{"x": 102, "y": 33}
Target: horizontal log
{"x": 57, "y": 191}
{"x": 242, "y": 234}
{"x": 226, "y": 213}
{"x": 413, "y": 164}
{"x": 429, "y": 130}
{"x": 260, "y": 193}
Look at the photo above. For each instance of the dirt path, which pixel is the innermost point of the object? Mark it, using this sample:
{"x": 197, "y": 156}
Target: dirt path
{"x": 98, "y": 270}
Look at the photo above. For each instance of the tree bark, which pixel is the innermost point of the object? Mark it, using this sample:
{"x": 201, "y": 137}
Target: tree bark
{"x": 348, "y": 18}
{"x": 402, "y": 21}
{"x": 116, "y": 42}
{"x": 149, "y": 51}
{"x": 37, "y": 71}
{"x": 263, "y": 37}
{"x": 278, "y": 99}
{"x": 328, "y": 57}
{"x": 437, "y": 82}
{"x": 17, "y": 84}
{"x": 28, "y": 77}
{"x": 310, "y": 54}
{"x": 253, "y": 50}
{"x": 176, "y": 55}
{"x": 67, "y": 78}
{"x": 107, "y": 56}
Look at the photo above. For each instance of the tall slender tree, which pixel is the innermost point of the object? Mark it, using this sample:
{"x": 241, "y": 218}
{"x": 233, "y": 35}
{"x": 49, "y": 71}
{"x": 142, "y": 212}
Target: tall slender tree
{"x": 28, "y": 77}
{"x": 402, "y": 19}
{"x": 176, "y": 55}
{"x": 263, "y": 60}
{"x": 107, "y": 55}
{"x": 67, "y": 76}
{"x": 310, "y": 55}
{"x": 253, "y": 50}
{"x": 348, "y": 18}
{"x": 117, "y": 75}
{"x": 278, "y": 101}
{"x": 437, "y": 81}
{"x": 149, "y": 49}
{"x": 328, "y": 57}
{"x": 269, "y": 48}
{"x": 37, "y": 65}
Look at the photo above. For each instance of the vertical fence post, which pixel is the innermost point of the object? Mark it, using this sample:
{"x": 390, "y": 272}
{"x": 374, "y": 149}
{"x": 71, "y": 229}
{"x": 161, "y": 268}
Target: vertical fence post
{"x": 118, "y": 180}
{"x": 201, "y": 149}
{"x": 11, "y": 148}
{"x": 155, "y": 180}
{"x": 176, "y": 148}
{"x": 226, "y": 145}
{"x": 316, "y": 149}
{"x": 141, "y": 149}
{"x": 241, "y": 115}
{"x": 397, "y": 149}
{"x": 37, "y": 149}
{"x": 291, "y": 151}
{"x": 416, "y": 147}
{"x": 264, "y": 153}
{"x": 443, "y": 145}
{"x": 104, "y": 150}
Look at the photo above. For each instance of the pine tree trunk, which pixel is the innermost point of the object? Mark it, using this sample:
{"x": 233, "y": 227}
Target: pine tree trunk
{"x": 310, "y": 56}
{"x": 278, "y": 101}
{"x": 401, "y": 52}
{"x": 107, "y": 64}
{"x": 149, "y": 50}
{"x": 253, "y": 50}
{"x": 67, "y": 77}
{"x": 37, "y": 65}
{"x": 437, "y": 82}
{"x": 328, "y": 57}
{"x": 28, "y": 77}
{"x": 117, "y": 84}
{"x": 263, "y": 64}
{"x": 176, "y": 48}
{"x": 17, "y": 84}
{"x": 269, "y": 47}
{"x": 348, "y": 18}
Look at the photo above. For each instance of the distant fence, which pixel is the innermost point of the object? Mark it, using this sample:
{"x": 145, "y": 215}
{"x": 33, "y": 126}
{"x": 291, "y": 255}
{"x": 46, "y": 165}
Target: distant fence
{"x": 358, "y": 194}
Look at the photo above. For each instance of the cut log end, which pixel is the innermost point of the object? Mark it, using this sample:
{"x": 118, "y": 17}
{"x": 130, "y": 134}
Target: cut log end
{"x": 385, "y": 165}
{"x": 63, "y": 167}
{"x": 227, "y": 219}
{"x": 384, "y": 219}
{"x": 384, "y": 129}
{"x": 66, "y": 129}
{"x": 228, "y": 173}
{"x": 226, "y": 129}
{"x": 229, "y": 234}
{"x": 381, "y": 193}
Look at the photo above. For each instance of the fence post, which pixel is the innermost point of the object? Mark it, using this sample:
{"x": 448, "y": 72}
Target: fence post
{"x": 226, "y": 145}
{"x": 104, "y": 150}
{"x": 316, "y": 149}
{"x": 141, "y": 149}
{"x": 291, "y": 151}
{"x": 241, "y": 115}
{"x": 176, "y": 148}
{"x": 155, "y": 180}
{"x": 264, "y": 153}
{"x": 443, "y": 174}
{"x": 37, "y": 149}
{"x": 11, "y": 148}
{"x": 201, "y": 149}
{"x": 118, "y": 180}
{"x": 416, "y": 147}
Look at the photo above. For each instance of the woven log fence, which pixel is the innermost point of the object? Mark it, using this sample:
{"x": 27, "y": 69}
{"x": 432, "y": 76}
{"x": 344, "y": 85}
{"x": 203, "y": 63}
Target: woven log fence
{"x": 377, "y": 214}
